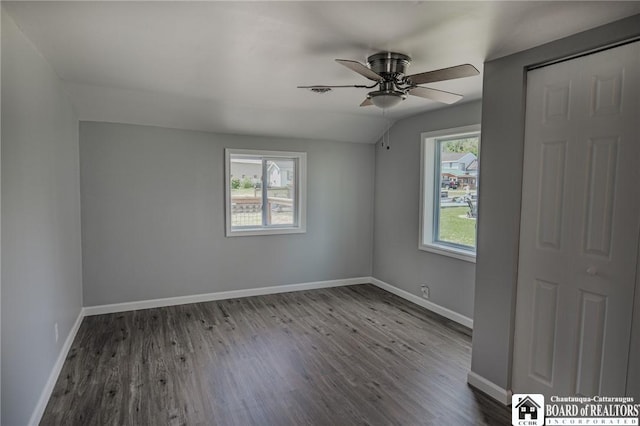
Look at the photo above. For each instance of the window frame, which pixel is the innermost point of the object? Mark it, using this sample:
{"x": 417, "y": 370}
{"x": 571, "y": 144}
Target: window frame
{"x": 429, "y": 188}
{"x": 300, "y": 200}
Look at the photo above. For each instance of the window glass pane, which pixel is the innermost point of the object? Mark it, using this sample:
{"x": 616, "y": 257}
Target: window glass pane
{"x": 456, "y": 205}
{"x": 246, "y": 191}
{"x": 265, "y": 193}
{"x": 281, "y": 191}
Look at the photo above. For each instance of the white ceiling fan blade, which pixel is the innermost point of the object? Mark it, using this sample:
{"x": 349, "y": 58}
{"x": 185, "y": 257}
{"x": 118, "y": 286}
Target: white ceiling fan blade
{"x": 459, "y": 71}
{"x": 435, "y": 95}
{"x": 361, "y": 69}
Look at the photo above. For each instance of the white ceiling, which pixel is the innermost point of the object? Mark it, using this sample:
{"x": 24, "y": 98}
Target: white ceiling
{"x": 233, "y": 67}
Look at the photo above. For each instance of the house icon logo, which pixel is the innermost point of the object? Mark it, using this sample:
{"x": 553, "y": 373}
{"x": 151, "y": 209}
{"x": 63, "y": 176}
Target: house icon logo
{"x": 527, "y": 410}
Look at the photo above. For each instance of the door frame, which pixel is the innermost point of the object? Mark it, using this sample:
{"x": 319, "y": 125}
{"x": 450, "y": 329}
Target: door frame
{"x": 499, "y": 206}
{"x": 633, "y": 365}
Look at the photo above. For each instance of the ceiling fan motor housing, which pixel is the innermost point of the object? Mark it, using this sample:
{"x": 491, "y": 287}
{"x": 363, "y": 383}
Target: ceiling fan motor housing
{"x": 389, "y": 64}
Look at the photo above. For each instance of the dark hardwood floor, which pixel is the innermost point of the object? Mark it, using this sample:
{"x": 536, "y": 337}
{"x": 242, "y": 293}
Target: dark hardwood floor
{"x": 340, "y": 356}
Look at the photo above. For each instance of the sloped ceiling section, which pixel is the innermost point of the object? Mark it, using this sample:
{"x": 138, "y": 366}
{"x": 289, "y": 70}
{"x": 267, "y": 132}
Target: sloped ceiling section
{"x": 233, "y": 67}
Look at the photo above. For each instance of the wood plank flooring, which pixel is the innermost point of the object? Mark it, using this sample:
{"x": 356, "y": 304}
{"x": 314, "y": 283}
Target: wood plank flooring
{"x": 340, "y": 356}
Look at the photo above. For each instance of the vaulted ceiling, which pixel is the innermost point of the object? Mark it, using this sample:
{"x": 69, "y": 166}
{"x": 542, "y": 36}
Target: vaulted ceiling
{"x": 233, "y": 67}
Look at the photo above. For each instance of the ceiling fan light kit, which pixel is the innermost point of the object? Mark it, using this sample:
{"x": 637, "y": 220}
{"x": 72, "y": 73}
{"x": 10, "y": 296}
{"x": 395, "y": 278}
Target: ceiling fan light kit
{"x": 388, "y": 71}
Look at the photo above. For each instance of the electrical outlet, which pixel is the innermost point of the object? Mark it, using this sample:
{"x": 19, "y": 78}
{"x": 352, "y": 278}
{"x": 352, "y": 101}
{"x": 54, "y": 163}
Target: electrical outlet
{"x": 425, "y": 291}
{"x": 55, "y": 330}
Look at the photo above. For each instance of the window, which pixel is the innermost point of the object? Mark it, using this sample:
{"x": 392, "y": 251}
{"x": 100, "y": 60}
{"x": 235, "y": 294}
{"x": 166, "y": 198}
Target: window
{"x": 273, "y": 201}
{"x": 449, "y": 195}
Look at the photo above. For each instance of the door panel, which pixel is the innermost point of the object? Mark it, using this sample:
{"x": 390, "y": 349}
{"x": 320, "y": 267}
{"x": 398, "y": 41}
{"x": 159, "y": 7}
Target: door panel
{"x": 551, "y": 195}
{"x": 602, "y": 159}
{"x": 579, "y": 225}
{"x": 544, "y": 330}
{"x": 591, "y": 344}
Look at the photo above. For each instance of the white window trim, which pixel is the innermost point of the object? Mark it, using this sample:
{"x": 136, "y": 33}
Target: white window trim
{"x": 427, "y": 188}
{"x": 301, "y": 193}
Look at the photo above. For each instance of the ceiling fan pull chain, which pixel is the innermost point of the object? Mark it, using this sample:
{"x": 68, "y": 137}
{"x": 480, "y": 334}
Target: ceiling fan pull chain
{"x": 384, "y": 132}
{"x": 388, "y": 136}
{"x": 387, "y": 127}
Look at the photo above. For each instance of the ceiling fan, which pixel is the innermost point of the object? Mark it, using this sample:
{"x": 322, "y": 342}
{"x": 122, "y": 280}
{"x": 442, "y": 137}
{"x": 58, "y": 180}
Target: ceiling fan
{"x": 388, "y": 69}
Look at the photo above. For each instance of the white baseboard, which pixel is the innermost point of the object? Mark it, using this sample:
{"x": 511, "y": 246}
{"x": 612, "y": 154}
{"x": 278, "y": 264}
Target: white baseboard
{"x": 440, "y": 310}
{"x": 221, "y": 295}
{"x": 475, "y": 380}
{"x": 501, "y": 395}
{"x": 36, "y": 416}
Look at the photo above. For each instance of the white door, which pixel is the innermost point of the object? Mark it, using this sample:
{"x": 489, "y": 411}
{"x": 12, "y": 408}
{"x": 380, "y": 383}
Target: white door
{"x": 579, "y": 226}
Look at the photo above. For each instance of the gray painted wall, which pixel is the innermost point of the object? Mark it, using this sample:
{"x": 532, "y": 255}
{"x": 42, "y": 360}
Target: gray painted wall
{"x": 500, "y": 195}
{"x": 41, "y": 256}
{"x": 153, "y": 215}
{"x": 396, "y": 258}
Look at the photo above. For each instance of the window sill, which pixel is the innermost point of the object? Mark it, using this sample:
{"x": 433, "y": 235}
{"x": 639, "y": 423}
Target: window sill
{"x": 260, "y": 231}
{"x": 443, "y": 250}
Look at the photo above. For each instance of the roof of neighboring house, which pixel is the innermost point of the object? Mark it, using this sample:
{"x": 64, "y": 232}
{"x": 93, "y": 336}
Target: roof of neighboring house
{"x": 452, "y": 156}
{"x": 284, "y": 166}
{"x": 473, "y": 165}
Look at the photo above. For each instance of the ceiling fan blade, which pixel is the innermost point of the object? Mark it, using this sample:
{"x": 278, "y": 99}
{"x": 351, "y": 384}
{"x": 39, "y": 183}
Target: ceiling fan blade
{"x": 459, "y": 71}
{"x": 361, "y": 69}
{"x": 320, "y": 86}
{"x": 366, "y": 102}
{"x": 435, "y": 95}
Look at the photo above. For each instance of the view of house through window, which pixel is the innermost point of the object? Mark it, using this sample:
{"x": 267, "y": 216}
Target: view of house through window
{"x": 455, "y": 207}
{"x": 263, "y": 190}
{"x": 449, "y": 191}
{"x": 247, "y": 198}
